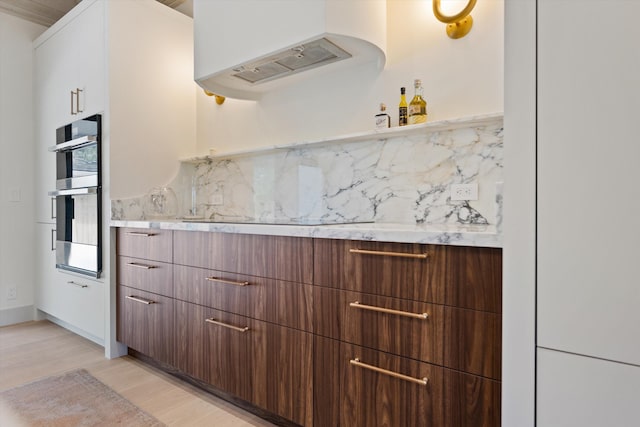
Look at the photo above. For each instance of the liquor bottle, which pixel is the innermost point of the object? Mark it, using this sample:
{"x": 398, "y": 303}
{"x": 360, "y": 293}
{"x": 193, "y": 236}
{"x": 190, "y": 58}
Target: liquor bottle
{"x": 402, "y": 108}
{"x": 417, "y": 106}
{"x": 383, "y": 120}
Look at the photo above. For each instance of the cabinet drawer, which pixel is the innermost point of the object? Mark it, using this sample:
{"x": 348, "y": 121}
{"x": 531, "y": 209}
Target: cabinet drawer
{"x": 151, "y": 244}
{"x": 374, "y": 391}
{"x": 265, "y": 364}
{"x": 145, "y": 323}
{"x": 276, "y": 257}
{"x": 284, "y": 303}
{"x": 152, "y": 276}
{"x": 388, "y": 324}
{"x": 473, "y": 341}
{"x": 405, "y": 393}
{"x": 466, "y": 277}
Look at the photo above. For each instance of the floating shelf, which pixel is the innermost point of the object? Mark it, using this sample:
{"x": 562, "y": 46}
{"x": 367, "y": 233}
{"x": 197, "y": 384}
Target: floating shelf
{"x": 373, "y": 135}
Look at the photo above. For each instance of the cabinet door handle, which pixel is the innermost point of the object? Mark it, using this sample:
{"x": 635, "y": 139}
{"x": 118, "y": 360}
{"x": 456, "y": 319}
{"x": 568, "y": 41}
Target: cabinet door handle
{"x": 78, "y": 90}
{"x": 140, "y": 300}
{"x": 138, "y": 233}
{"x": 73, "y": 113}
{"x": 53, "y": 211}
{"x": 80, "y": 285}
{"x": 384, "y": 253}
{"x": 357, "y": 304}
{"x": 53, "y": 239}
{"x": 420, "y": 381}
{"x": 226, "y": 325}
{"x": 138, "y": 265}
{"x": 228, "y": 282}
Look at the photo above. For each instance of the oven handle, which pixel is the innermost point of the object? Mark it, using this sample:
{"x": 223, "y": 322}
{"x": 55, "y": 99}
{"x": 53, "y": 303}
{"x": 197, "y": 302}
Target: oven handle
{"x": 74, "y": 191}
{"x": 74, "y": 143}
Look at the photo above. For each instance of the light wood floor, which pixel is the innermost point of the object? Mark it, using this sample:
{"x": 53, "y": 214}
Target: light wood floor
{"x": 34, "y": 350}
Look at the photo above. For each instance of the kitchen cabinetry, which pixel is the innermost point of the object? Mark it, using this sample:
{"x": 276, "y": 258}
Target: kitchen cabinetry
{"x": 318, "y": 331}
{"x": 72, "y": 59}
{"x": 116, "y": 53}
{"x": 401, "y": 323}
{"x": 145, "y": 291}
{"x": 244, "y": 317}
{"x": 587, "y": 286}
{"x": 74, "y": 300}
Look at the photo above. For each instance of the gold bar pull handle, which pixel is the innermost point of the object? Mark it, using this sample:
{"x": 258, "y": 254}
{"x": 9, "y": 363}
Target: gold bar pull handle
{"x": 53, "y": 209}
{"x": 228, "y": 282}
{"x": 226, "y": 325}
{"x": 53, "y": 239}
{"x": 420, "y": 381}
{"x": 140, "y": 300}
{"x": 80, "y": 285}
{"x": 73, "y": 113}
{"x": 422, "y": 316}
{"x": 138, "y": 265}
{"x": 384, "y": 253}
{"x": 138, "y": 233}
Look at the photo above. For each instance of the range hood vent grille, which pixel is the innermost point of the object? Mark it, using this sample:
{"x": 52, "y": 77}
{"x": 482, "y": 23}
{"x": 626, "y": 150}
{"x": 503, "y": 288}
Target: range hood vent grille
{"x": 300, "y": 58}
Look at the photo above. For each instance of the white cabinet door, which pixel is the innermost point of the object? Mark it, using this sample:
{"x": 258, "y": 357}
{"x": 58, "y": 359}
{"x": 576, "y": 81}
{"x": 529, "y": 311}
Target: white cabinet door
{"x": 76, "y": 300}
{"x": 588, "y": 175}
{"x": 577, "y": 391}
{"x": 73, "y": 58}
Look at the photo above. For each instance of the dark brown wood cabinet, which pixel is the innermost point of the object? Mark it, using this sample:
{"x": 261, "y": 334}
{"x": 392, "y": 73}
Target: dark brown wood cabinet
{"x": 320, "y": 332}
{"x": 248, "y": 335}
{"x": 145, "y": 323}
{"x": 395, "y": 313}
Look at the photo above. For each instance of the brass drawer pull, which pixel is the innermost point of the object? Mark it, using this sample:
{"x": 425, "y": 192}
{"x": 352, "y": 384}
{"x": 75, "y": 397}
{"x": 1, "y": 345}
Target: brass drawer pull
{"x": 80, "y": 285}
{"x": 383, "y": 253}
{"x": 357, "y": 304}
{"x": 138, "y": 265}
{"x": 226, "y": 325}
{"x": 228, "y": 282}
{"x": 421, "y": 381}
{"x": 140, "y": 300}
{"x": 139, "y": 233}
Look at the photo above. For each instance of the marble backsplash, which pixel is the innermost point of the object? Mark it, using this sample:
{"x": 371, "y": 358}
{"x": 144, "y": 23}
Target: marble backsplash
{"x": 403, "y": 178}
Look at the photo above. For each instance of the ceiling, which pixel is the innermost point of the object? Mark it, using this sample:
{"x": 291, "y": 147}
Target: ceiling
{"x": 47, "y": 12}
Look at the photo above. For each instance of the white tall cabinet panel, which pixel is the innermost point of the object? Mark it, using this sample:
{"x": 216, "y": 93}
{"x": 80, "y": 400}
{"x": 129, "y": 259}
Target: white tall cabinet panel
{"x": 72, "y": 58}
{"x": 576, "y": 391}
{"x": 133, "y": 62}
{"x": 588, "y": 175}
{"x": 588, "y": 293}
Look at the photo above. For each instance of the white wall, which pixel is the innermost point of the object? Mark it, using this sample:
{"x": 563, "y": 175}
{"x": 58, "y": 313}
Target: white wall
{"x": 460, "y": 77}
{"x": 17, "y": 233}
{"x": 151, "y": 95}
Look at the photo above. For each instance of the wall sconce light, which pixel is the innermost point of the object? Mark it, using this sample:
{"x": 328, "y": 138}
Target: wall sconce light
{"x": 219, "y": 98}
{"x": 458, "y": 25}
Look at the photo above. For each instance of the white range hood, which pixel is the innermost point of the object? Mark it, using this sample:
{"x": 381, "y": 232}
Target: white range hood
{"x": 244, "y": 48}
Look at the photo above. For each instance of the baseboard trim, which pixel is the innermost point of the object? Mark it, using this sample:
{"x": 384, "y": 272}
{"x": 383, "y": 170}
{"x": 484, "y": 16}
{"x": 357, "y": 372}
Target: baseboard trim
{"x": 11, "y": 316}
{"x": 72, "y": 328}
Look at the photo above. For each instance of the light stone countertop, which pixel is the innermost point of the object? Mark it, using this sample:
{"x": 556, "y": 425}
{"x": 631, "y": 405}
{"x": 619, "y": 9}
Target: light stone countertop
{"x": 459, "y": 235}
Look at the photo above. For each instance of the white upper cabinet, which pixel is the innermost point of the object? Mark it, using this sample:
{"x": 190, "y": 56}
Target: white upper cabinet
{"x": 244, "y": 48}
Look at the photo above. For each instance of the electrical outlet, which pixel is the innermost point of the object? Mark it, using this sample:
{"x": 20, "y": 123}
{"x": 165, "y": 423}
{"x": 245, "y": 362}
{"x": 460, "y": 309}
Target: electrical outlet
{"x": 12, "y": 292}
{"x": 216, "y": 200}
{"x": 464, "y": 191}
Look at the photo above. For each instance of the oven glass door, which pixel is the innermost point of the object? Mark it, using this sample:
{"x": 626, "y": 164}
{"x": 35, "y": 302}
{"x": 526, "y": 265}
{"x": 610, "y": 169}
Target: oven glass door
{"x": 78, "y": 167}
{"x": 78, "y": 225}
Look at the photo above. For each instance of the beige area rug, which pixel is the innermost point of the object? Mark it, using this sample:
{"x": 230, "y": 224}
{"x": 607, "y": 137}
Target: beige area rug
{"x": 72, "y": 399}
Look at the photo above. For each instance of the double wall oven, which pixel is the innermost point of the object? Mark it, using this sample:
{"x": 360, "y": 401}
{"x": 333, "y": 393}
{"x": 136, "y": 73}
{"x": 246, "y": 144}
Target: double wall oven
{"x": 78, "y": 197}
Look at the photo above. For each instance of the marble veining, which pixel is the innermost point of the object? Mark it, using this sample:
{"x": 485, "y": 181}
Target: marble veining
{"x": 403, "y": 179}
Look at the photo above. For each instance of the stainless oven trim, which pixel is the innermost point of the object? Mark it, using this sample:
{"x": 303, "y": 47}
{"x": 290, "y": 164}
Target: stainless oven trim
{"x": 74, "y": 191}
{"x": 74, "y": 143}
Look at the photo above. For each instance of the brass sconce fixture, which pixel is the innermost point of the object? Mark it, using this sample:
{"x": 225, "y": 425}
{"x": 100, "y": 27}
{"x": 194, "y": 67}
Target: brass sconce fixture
{"x": 219, "y": 98}
{"x": 458, "y": 25}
